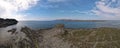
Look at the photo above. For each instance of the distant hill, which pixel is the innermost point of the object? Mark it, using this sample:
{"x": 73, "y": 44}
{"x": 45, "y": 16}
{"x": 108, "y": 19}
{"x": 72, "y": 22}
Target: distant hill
{"x": 7, "y": 22}
{"x": 81, "y": 20}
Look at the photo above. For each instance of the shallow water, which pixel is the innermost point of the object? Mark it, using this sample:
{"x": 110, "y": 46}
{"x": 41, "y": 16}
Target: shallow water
{"x": 7, "y": 37}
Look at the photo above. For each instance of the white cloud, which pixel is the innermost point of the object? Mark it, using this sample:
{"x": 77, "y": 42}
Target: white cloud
{"x": 82, "y": 12}
{"x": 109, "y": 9}
{"x": 48, "y": 6}
{"x": 57, "y": 0}
{"x": 51, "y": 3}
{"x": 10, "y": 8}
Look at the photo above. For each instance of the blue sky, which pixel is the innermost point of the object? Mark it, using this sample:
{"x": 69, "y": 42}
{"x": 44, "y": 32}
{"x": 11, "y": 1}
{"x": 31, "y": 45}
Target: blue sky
{"x": 60, "y": 9}
{"x": 69, "y": 9}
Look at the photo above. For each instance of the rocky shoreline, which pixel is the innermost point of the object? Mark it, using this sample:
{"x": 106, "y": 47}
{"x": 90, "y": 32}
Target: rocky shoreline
{"x": 60, "y": 37}
{"x": 7, "y": 22}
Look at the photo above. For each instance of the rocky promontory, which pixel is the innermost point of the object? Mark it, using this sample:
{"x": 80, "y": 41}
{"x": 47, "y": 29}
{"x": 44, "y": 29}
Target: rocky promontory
{"x": 7, "y": 22}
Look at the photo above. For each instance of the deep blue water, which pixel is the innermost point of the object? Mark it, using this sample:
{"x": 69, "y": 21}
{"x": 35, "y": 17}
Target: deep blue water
{"x": 70, "y": 24}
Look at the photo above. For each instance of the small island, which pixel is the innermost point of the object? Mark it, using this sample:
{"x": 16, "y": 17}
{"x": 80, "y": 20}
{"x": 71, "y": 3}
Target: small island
{"x": 7, "y": 22}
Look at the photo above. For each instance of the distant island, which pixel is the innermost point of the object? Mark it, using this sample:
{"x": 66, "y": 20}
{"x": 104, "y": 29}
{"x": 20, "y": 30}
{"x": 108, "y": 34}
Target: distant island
{"x": 7, "y": 22}
{"x": 81, "y": 20}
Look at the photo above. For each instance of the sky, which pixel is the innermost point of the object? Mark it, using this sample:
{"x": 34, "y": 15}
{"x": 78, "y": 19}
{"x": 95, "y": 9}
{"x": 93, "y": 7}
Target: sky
{"x": 60, "y": 9}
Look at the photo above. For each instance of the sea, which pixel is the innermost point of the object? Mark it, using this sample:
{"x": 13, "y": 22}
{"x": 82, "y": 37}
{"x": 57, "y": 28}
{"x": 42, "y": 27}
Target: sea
{"x": 70, "y": 24}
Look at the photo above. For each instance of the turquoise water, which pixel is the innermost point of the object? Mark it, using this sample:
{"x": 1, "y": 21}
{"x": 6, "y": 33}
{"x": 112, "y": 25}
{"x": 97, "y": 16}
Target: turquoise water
{"x": 70, "y": 24}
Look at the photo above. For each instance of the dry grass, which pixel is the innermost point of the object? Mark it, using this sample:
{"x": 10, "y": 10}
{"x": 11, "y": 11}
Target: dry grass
{"x": 93, "y": 38}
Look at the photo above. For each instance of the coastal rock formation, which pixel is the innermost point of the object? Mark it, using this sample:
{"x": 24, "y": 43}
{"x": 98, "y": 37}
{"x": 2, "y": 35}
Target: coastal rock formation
{"x": 7, "y": 22}
{"x": 43, "y": 38}
{"x": 50, "y": 39}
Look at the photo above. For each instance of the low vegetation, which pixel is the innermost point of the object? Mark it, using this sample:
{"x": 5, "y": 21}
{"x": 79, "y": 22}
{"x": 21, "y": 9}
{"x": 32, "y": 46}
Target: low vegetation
{"x": 93, "y": 38}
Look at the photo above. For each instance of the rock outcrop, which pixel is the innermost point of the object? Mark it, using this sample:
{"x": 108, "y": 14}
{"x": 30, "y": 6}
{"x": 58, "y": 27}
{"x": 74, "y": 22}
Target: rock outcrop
{"x": 7, "y": 22}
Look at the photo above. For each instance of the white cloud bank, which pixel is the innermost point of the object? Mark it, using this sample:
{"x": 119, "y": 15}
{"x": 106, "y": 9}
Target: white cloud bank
{"x": 108, "y": 9}
{"x": 10, "y": 8}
